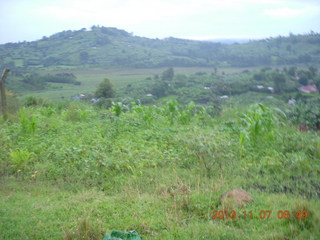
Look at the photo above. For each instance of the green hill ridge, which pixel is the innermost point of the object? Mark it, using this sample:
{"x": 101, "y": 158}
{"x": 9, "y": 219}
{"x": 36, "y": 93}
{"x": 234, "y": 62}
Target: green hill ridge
{"x": 102, "y": 47}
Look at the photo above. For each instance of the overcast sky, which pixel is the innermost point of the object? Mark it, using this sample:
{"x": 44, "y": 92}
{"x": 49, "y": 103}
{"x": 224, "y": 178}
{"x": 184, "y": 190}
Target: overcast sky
{"x": 195, "y": 19}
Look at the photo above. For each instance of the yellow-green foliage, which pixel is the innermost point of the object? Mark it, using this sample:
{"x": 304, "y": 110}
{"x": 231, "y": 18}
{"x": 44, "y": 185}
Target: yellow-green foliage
{"x": 20, "y": 158}
{"x": 75, "y": 172}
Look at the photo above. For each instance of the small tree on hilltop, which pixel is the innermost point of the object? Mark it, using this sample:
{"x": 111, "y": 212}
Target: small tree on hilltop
{"x": 105, "y": 89}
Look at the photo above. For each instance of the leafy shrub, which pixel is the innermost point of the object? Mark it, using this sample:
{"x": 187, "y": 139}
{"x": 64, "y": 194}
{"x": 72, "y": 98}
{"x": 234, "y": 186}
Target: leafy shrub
{"x": 307, "y": 113}
{"x": 147, "y": 114}
{"x": 20, "y": 158}
{"x": 61, "y": 78}
{"x": 27, "y": 122}
{"x": 34, "y": 101}
{"x": 105, "y": 103}
{"x": 34, "y": 82}
{"x": 171, "y": 111}
{"x": 75, "y": 114}
{"x": 209, "y": 150}
{"x": 118, "y": 108}
{"x": 105, "y": 89}
{"x": 47, "y": 111}
{"x": 259, "y": 125}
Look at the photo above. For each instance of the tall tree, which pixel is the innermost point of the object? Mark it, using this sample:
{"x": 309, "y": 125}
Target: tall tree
{"x": 167, "y": 75}
{"x": 279, "y": 80}
{"x": 105, "y": 89}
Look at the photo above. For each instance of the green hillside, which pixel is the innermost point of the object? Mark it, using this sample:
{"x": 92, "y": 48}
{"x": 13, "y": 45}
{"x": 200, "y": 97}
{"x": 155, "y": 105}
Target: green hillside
{"x": 109, "y": 131}
{"x": 102, "y": 47}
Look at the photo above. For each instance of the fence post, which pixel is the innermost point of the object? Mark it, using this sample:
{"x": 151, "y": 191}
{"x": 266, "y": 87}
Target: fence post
{"x": 4, "y": 107}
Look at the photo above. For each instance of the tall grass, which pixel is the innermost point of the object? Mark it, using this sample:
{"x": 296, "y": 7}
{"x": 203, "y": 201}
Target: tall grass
{"x": 76, "y": 172}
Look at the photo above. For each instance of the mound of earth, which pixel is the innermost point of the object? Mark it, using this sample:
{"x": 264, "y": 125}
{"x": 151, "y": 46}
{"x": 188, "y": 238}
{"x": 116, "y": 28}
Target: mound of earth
{"x": 235, "y": 198}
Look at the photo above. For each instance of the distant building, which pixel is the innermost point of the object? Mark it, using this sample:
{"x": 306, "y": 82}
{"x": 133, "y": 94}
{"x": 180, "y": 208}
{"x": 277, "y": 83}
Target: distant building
{"x": 77, "y": 97}
{"x": 260, "y": 86}
{"x": 95, "y": 100}
{"x": 291, "y": 102}
{"x": 149, "y": 95}
{"x": 271, "y": 89}
{"x": 309, "y": 89}
{"x": 224, "y": 97}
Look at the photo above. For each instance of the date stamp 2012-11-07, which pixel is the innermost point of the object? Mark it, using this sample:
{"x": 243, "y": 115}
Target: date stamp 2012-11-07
{"x": 263, "y": 214}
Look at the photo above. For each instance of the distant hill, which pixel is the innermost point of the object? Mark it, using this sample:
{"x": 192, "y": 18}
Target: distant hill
{"x": 229, "y": 40}
{"x": 105, "y": 47}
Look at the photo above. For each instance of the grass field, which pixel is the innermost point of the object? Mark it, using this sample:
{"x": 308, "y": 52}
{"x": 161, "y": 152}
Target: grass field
{"x": 74, "y": 170}
{"x": 37, "y": 210}
{"x": 77, "y": 172}
{"x": 120, "y": 77}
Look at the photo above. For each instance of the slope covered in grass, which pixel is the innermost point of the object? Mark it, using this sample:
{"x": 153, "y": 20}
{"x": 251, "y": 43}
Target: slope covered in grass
{"x": 76, "y": 172}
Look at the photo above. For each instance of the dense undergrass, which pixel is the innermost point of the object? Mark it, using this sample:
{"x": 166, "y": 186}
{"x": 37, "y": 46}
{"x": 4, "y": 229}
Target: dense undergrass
{"x": 76, "y": 172}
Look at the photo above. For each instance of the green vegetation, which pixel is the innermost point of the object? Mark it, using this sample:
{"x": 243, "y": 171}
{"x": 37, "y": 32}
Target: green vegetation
{"x": 105, "y": 89}
{"x": 36, "y": 81}
{"x": 306, "y": 114}
{"x": 153, "y": 149}
{"x": 102, "y": 47}
{"x": 75, "y": 171}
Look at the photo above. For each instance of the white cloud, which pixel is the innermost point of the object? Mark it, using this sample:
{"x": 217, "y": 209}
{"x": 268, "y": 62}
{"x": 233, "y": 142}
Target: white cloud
{"x": 121, "y": 12}
{"x": 286, "y": 12}
{"x": 213, "y": 37}
{"x": 130, "y": 12}
{"x": 159, "y": 18}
